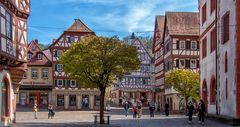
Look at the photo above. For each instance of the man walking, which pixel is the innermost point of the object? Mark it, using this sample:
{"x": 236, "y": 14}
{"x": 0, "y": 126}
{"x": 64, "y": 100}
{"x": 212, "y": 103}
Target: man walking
{"x": 190, "y": 108}
{"x": 166, "y": 109}
{"x": 201, "y": 111}
{"x": 126, "y": 107}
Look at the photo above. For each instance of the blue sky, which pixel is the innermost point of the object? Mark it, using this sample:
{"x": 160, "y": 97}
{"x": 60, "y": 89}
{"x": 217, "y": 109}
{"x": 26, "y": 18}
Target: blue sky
{"x": 49, "y": 18}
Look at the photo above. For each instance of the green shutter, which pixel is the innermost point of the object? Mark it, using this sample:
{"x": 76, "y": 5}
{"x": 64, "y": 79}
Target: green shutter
{"x": 55, "y": 67}
{"x": 55, "y": 82}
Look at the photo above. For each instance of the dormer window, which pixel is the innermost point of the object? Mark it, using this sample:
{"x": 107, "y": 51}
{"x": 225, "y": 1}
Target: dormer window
{"x": 39, "y": 56}
{"x": 29, "y": 56}
{"x": 33, "y": 47}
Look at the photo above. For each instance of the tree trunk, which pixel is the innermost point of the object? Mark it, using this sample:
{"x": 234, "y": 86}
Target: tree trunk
{"x": 102, "y": 97}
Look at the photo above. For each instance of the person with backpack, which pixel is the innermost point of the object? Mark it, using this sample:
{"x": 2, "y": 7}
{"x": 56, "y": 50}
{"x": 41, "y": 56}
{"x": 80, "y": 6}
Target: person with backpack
{"x": 51, "y": 113}
{"x": 152, "y": 109}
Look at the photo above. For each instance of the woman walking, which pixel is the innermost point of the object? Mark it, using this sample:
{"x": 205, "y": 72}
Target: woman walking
{"x": 190, "y": 109}
{"x": 35, "y": 109}
{"x": 201, "y": 112}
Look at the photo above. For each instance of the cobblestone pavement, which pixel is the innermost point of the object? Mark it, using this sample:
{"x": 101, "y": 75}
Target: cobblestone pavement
{"x": 85, "y": 119}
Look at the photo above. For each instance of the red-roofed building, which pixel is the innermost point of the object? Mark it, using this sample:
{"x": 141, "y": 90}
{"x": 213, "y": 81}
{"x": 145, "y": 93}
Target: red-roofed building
{"x": 37, "y": 82}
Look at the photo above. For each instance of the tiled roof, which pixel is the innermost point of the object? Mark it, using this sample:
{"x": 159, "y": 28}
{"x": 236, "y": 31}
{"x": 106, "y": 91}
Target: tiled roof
{"x": 160, "y": 22}
{"x": 182, "y": 23}
{"x": 78, "y": 26}
{"x": 48, "y": 54}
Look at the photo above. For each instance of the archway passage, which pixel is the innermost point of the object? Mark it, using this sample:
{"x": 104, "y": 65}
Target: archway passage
{"x": 5, "y": 109}
{"x": 204, "y": 94}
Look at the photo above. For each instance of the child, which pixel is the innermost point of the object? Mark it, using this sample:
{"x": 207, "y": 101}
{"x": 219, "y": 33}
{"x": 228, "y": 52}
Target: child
{"x": 134, "y": 109}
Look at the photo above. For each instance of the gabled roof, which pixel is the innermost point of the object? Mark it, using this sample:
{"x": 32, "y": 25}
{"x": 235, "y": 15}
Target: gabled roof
{"x": 48, "y": 54}
{"x": 159, "y": 29}
{"x": 78, "y": 26}
{"x": 34, "y": 62}
{"x": 182, "y": 23}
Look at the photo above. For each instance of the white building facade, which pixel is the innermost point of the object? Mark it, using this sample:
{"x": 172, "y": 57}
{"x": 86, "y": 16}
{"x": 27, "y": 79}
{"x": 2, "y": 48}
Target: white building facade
{"x": 219, "y": 56}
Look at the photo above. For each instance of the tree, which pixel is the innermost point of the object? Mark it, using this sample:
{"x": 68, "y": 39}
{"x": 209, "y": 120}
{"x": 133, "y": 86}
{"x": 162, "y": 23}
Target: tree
{"x": 95, "y": 61}
{"x": 185, "y": 82}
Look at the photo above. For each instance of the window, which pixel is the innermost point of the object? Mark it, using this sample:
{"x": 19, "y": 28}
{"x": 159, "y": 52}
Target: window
{"x": 177, "y": 63}
{"x": 204, "y": 47}
{"x": 4, "y": 98}
{"x": 188, "y": 44}
{"x": 8, "y": 25}
{"x": 34, "y": 73}
{"x": 213, "y": 5}
{"x": 226, "y": 62}
{"x": 60, "y": 100}
{"x": 72, "y": 100}
{"x": 204, "y": 13}
{"x": 194, "y": 45}
{"x": 25, "y": 75}
{"x": 39, "y": 56}
{"x": 97, "y": 100}
{"x": 59, "y": 67}
{"x": 187, "y": 63}
{"x": 45, "y": 73}
{"x": 33, "y": 47}
{"x": 29, "y": 56}
{"x": 213, "y": 39}
{"x": 73, "y": 83}
{"x": 182, "y": 44}
{"x": 193, "y": 64}
{"x": 212, "y": 91}
{"x": 182, "y": 63}
{"x": 225, "y": 27}
{"x": 60, "y": 82}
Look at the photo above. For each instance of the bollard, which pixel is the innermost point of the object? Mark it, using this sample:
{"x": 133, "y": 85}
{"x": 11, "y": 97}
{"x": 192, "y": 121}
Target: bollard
{"x": 108, "y": 119}
{"x": 95, "y": 119}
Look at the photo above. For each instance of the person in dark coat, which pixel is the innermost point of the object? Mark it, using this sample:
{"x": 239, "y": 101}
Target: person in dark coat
{"x": 201, "y": 112}
{"x": 126, "y": 107}
{"x": 166, "y": 109}
{"x": 190, "y": 109}
{"x": 51, "y": 113}
{"x": 152, "y": 109}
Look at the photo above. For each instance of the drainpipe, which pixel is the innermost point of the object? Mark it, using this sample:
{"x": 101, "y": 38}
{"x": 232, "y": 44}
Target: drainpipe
{"x": 216, "y": 82}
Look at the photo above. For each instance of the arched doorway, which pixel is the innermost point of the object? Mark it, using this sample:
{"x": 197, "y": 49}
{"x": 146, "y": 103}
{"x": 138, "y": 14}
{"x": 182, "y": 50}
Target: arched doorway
{"x": 5, "y": 98}
{"x": 204, "y": 94}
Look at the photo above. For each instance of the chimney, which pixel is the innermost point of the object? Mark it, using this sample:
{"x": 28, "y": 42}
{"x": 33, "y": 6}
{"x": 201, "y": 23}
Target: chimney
{"x": 76, "y": 20}
{"x": 36, "y": 40}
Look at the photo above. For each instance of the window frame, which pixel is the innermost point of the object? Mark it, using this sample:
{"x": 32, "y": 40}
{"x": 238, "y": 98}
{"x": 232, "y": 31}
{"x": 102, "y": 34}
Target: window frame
{"x": 71, "y": 83}
{"x": 192, "y": 43}
{"x": 58, "y": 80}
{"x": 32, "y": 73}
{"x": 226, "y": 27}
{"x": 44, "y": 72}
{"x": 59, "y": 67}
{"x": 29, "y": 56}
{"x": 182, "y": 43}
{"x": 180, "y": 65}
{"x": 195, "y": 65}
{"x": 39, "y": 56}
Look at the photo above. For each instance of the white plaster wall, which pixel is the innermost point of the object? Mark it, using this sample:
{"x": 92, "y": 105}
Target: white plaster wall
{"x": 210, "y": 16}
{"x": 228, "y": 105}
{"x": 207, "y": 69}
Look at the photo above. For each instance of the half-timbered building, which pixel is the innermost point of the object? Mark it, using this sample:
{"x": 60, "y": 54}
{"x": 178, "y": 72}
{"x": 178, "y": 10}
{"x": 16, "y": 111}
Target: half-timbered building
{"x": 179, "y": 48}
{"x": 158, "y": 51}
{"x": 37, "y": 83}
{"x": 219, "y": 57}
{"x": 135, "y": 85}
{"x": 67, "y": 92}
{"x": 13, "y": 54}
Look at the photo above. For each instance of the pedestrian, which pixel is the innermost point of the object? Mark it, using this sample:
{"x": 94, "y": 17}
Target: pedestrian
{"x": 134, "y": 109}
{"x": 139, "y": 109}
{"x": 201, "y": 111}
{"x": 152, "y": 109}
{"x": 51, "y": 113}
{"x": 190, "y": 109}
{"x": 126, "y": 107}
{"x": 166, "y": 109}
{"x": 35, "y": 109}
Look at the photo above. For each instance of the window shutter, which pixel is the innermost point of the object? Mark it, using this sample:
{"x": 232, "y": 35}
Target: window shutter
{"x": 177, "y": 44}
{"x": 68, "y": 83}
{"x": 188, "y": 45}
{"x": 197, "y": 63}
{"x": 55, "y": 67}
{"x": 198, "y": 45}
{"x": 55, "y": 82}
{"x": 187, "y": 63}
{"x": 177, "y": 63}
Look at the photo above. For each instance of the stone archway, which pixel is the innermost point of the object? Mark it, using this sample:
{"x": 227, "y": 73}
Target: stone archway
{"x": 204, "y": 94}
